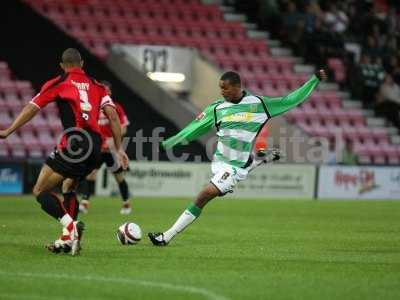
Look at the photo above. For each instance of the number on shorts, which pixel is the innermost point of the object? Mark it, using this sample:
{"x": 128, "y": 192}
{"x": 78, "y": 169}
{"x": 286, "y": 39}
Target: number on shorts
{"x": 225, "y": 176}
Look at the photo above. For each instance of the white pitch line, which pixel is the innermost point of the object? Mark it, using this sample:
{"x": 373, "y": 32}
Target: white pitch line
{"x": 180, "y": 288}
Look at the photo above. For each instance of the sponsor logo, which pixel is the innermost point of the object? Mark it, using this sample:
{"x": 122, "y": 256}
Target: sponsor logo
{"x": 253, "y": 107}
{"x": 239, "y": 117}
{"x": 364, "y": 181}
{"x": 8, "y": 175}
{"x": 154, "y": 173}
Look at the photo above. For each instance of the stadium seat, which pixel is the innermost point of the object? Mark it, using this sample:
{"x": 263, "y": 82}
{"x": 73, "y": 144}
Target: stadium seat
{"x": 4, "y": 153}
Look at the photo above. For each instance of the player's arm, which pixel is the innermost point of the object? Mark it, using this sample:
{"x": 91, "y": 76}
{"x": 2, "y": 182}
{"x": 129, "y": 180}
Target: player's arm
{"x": 122, "y": 118}
{"x": 123, "y": 131}
{"x": 47, "y": 94}
{"x": 28, "y": 112}
{"x": 201, "y": 125}
{"x": 279, "y": 105}
{"x": 116, "y": 131}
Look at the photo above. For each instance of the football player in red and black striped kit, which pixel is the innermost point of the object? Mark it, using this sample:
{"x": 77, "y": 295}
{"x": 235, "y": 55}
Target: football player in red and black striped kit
{"x": 79, "y": 99}
{"x": 87, "y": 186}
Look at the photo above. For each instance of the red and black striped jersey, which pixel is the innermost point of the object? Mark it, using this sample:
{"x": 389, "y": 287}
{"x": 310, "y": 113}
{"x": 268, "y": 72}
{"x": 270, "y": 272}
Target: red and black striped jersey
{"x": 105, "y": 128}
{"x": 104, "y": 123}
{"x": 79, "y": 99}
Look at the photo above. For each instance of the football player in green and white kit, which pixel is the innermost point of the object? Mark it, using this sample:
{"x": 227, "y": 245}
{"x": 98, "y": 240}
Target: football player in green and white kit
{"x": 238, "y": 117}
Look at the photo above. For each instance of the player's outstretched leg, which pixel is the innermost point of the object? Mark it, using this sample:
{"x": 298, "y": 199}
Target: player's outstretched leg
{"x": 191, "y": 213}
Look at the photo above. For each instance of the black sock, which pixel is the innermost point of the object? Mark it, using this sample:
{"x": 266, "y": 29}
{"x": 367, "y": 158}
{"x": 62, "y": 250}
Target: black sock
{"x": 51, "y": 204}
{"x": 71, "y": 204}
{"x": 124, "y": 190}
{"x": 87, "y": 189}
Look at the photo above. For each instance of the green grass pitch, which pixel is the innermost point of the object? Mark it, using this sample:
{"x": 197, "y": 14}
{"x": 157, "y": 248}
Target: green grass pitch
{"x": 238, "y": 249}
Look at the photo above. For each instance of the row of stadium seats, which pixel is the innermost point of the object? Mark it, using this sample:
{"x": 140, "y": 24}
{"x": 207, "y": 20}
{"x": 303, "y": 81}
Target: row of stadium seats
{"x": 134, "y": 9}
{"x": 233, "y": 30}
{"x": 99, "y": 24}
{"x": 36, "y": 138}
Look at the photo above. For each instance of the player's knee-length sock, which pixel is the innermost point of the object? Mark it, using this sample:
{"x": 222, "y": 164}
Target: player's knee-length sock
{"x": 71, "y": 204}
{"x": 186, "y": 218}
{"x": 124, "y": 190}
{"x": 53, "y": 206}
{"x": 87, "y": 189}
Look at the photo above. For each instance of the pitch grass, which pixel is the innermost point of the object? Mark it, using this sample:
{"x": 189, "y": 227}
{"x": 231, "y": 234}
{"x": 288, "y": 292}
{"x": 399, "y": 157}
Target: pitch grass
{"x": 236, "y": 250}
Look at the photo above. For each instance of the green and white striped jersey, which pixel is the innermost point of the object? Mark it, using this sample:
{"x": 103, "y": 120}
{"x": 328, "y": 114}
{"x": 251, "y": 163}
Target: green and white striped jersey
{"x": 238, "y": 124}
{"x": 237, "y": 128}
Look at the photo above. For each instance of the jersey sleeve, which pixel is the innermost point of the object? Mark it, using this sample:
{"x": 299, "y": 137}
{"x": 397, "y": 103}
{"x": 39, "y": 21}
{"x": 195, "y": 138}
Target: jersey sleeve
{"x": 279, "y": 105}
{"x": 105, "y": 99}
{"x": 198, "y": 127}
{"x": 48, "y": 93}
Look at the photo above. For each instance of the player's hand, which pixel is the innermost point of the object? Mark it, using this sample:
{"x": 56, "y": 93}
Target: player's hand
{"x": 123, "y": 159}
{"x": 321, "y": 75}
{"x": 4, "y": 134}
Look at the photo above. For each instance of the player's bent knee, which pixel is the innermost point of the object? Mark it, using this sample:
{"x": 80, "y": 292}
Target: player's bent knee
{"x": 37, "y": 190}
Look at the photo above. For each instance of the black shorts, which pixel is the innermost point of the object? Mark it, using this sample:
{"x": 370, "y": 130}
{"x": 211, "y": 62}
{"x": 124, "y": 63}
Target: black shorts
{"x": 79, "y": 159}
{"x": 112, "y": 164}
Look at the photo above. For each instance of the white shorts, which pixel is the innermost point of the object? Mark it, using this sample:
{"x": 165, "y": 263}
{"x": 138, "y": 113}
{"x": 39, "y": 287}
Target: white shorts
{"x": 225, "y": 176}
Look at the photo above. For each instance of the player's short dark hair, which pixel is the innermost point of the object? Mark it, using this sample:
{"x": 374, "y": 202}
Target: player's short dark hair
{"x": 106, "y": 83}
{"x": 71, "y": 56}
{"x": 232, "y": 77}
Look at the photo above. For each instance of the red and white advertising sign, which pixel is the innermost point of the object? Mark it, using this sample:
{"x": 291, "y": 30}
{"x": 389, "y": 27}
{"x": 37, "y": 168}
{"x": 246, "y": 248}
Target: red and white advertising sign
{"x": 337, "y": 182}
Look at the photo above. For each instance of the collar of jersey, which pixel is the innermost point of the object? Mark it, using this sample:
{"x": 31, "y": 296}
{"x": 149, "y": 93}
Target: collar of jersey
{"x": 76, "y": 70}
{"x": 244, "y": 94}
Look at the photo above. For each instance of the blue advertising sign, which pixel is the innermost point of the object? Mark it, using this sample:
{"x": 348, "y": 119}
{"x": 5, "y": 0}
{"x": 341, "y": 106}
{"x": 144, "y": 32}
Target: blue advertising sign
{"x": 11, "y": 181}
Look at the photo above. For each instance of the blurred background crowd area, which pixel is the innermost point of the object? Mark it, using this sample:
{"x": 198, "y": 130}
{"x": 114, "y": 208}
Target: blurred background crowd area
{"x": 355, "y": 38}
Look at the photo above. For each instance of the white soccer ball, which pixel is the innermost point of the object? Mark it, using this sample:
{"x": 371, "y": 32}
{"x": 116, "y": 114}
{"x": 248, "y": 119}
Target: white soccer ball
{"x": 129, "y": 233}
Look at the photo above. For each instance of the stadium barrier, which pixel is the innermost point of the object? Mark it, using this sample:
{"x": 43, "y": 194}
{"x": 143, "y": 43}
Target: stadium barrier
{"x": 278, "y": 181}
{"x": 166, "y": 179}
{"x": 353, "y": 182}
{"x": 11, "y": 178}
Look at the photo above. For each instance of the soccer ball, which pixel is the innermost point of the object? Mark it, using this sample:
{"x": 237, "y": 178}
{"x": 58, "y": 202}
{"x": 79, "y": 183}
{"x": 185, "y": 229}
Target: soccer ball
{"x": 129, "y": 233}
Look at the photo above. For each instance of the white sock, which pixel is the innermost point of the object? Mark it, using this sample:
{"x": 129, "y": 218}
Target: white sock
{"x": 185, "y": 219}
{"x": 66, "y": 220}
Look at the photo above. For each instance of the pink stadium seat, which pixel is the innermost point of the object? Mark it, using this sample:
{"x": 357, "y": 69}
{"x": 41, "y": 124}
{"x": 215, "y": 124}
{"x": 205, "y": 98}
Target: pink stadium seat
{"x": 40, "y": 122}
{"x": 4, "y": 148}
{"x": 5, "y": 119}
{"x": 30, "y": 140}
{"x": 15, "y": 140}
{"x": 17, "y": 151}
{"x": 390, "y": 152}
{"x": 4, "y": 71}
{"x": 46, "y": 139}
{"x": 380, "y": 135}
{"x": 35, "y": 151}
